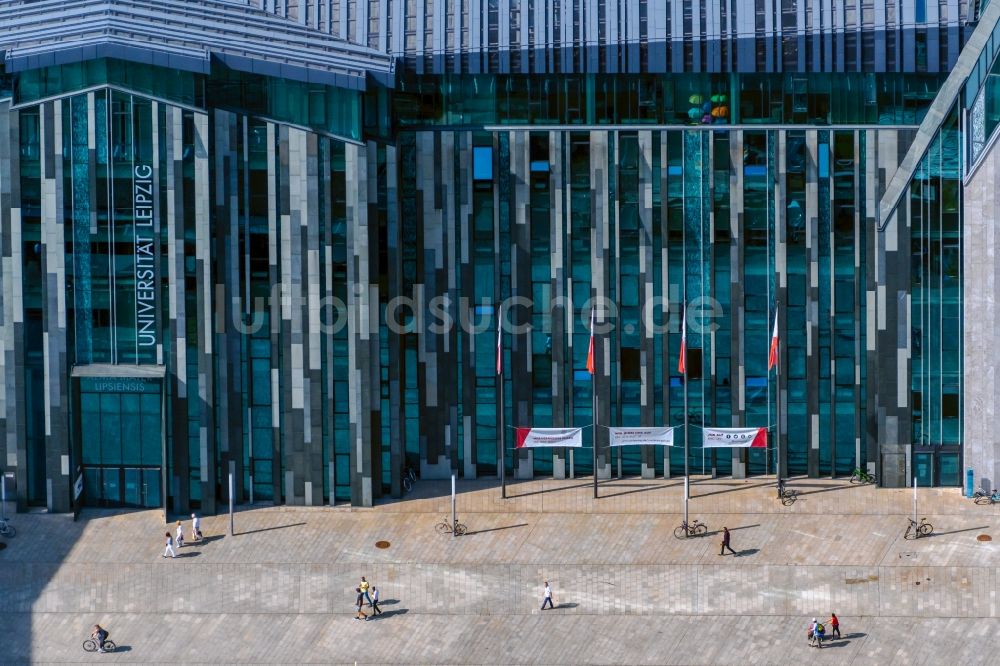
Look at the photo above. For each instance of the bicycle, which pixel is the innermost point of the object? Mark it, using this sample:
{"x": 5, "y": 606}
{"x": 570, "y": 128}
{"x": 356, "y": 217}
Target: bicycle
{"x": 6, "y": 529}
{"x": 409, "y": 477}
{"x": 861, "y": 476}
{"x": 445, "y": 527}
{"x": 915, "y": 531}
{"x": 786, "y": 496}
{"x": 983, "y": 497}
{"x": 90, "y": 645}
{"x": 685, "y": 530}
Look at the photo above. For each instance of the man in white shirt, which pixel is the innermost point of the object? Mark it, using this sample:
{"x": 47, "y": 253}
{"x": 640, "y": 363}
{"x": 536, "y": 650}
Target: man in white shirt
{"x": 547, "y": 596}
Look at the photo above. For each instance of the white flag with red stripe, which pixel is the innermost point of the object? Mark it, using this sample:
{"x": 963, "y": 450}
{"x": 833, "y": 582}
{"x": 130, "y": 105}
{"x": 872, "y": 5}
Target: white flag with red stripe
{"x": 590, "y": 349}
{"x": 682, "y": 359}
{"x": 772, "y": 357}
{"x": 735, "y": 437}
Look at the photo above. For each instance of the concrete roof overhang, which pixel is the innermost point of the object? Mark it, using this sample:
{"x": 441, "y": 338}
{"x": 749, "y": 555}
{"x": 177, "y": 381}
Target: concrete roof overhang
{"x": 181, "y": 34}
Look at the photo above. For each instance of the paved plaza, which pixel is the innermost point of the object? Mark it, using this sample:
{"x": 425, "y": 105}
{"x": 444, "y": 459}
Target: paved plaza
{"x": 626, "y": 591}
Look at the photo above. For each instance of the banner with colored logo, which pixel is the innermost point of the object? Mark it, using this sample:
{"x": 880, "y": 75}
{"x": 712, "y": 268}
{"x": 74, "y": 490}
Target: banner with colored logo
{"x": 739, "y": 437}
{"x": 531, "y": 437}
{"x": 642, "y": 436}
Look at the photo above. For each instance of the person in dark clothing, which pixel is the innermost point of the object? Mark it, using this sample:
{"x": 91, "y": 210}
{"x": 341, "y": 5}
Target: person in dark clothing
{"x": 360, "y": 602}
{"x": 725, "y": 542}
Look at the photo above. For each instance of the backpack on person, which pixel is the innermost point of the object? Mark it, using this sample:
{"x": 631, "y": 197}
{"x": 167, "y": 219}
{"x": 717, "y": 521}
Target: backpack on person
{"x": 820, "y": 629}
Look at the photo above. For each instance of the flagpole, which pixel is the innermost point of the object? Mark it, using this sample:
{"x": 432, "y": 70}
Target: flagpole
{"x": 503, "y": 429}
{"x": 777, "y": 365}
{"x": 593, "y": 384}
{"x": 503, "y": 444}
{"x": 687, "y": 437}
{"x": 592, "y": 369}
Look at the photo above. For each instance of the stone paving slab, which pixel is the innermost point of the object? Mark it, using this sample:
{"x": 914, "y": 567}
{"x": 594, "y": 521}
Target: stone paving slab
{"x": 552, "y": 638}
{"x": 281, "y": 588}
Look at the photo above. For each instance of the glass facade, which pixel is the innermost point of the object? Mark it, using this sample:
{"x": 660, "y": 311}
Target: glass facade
{"x": 317, "y": 272}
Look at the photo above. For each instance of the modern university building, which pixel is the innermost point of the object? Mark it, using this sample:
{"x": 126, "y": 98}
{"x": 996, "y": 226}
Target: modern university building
{"x": 271, "y": 238}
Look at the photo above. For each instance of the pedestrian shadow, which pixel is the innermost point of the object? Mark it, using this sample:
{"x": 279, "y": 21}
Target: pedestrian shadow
{"x": 747, "y": 552}
{"x": 387, "y": 602}
{"x": 122, "y": 648}
{"x": 389, "y": 613}
{"x": 496, "y": 529}
{"x": 268, "y": 529}
{"x": 856, "y": 634}
{"x": 203, "y": 540}
{"x": 190, "y": 553}
{"x": 569, "y": 605}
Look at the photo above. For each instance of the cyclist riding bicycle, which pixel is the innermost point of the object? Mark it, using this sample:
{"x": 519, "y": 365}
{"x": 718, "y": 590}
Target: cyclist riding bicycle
{"x": 100, "y": 635}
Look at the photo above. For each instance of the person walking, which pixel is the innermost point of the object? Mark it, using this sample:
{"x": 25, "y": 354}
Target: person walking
{"x": 725, "y": 542}
{"x": 375, "y": 609}
{"x": 169, "y": 546}
{"x": 360, "y": 602}
{"x": 195, "y": 527}
{"x": 180, "y": 534}
{"x": 547, "y": 596}
{"x": 364, "y": 590}
{"x": 817, "y": 634}
{"x": 834, "y": 626}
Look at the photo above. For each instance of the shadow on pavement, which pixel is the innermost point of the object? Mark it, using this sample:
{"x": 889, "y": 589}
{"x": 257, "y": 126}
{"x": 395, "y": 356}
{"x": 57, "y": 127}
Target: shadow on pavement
{"x": 731, "y": 529}
{"x": 496, "y": 529}
{"x": 828, "y": 488}
{"x": 265, "y": 529}
{"x": 204, "y": 540}
{"x": 123, "y": 648}
{"x": 747, "y": 552}
{"x": 546, "y": 490}
{"x": 569, "y": 605}
{"x": 643, "y": 489}
{"x": 389, "y": 613}
{"x": 742, "y": 486}
{"x": 387, "y": 602}
{"x": 968, "y": 529}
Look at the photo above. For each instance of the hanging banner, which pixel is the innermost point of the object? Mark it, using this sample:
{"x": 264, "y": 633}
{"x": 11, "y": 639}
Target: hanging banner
{"x": 642, "y": 436}
{"x": 531, "y": 437}
{"x": 735, "y": 437}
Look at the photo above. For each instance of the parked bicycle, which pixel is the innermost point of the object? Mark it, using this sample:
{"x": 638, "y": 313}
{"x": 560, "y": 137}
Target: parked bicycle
{"x": 983, "y": 497}
{"x": 409, "y": 478}
{"x": 861, "y": 476}
{"x": 90, "y": 645}
{"x": 685, "y": 530}
{"x": 446, "y": 527}
{"x": 915, "y": 531}
{"x": 786, "y": 495}
{"x": 6, "y": 529}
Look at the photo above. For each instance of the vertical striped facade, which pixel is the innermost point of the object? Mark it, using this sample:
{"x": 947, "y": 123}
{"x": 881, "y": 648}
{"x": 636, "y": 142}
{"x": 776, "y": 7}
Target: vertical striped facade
{"x": 536, "y": 36}
{"x": 296, "y": 282}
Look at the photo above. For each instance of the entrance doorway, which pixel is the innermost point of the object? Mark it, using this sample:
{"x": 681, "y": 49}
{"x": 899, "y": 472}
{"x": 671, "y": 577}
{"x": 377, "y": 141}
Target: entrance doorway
{"x": 120, "y": 435}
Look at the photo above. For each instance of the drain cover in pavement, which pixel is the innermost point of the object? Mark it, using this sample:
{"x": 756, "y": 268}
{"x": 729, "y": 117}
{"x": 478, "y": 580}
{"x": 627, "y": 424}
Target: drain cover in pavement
{"x": 382, "y": 544}
{"x": 984, "y": 537}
